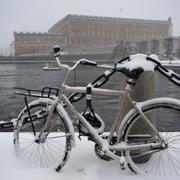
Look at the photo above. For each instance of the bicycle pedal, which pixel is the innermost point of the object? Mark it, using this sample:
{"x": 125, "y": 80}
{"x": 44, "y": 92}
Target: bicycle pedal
{"x": 122, "y": 166}
{"x": 123, "y": 163}
{"x": 79, "y": 137}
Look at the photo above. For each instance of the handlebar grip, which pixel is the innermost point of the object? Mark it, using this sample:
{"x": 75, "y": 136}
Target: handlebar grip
{"x": 88, "y": 62}
{"x": 56, "y": 50}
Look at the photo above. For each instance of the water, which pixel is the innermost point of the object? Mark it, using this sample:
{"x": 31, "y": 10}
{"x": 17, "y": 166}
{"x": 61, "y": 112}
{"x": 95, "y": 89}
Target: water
{"x": 32, "y": 76}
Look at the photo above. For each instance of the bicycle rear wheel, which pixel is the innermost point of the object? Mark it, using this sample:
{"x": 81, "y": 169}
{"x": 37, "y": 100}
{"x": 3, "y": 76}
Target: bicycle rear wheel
{"x": 54, "y": 150}
{"x": 164, "y": 160}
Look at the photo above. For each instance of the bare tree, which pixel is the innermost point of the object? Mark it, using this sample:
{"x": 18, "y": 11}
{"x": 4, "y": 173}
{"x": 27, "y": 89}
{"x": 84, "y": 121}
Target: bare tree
{"x": 121, "y": 50}
{"x": 168, "y": 46}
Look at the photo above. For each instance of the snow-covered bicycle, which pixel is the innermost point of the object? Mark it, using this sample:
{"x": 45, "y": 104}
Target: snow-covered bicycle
{"x": 144, "y": 141}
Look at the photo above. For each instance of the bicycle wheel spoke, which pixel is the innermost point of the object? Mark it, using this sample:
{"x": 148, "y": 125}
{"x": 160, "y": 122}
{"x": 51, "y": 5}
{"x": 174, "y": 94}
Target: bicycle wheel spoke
{"x": 165, "y": 160}
{"x": 50, "y": 151}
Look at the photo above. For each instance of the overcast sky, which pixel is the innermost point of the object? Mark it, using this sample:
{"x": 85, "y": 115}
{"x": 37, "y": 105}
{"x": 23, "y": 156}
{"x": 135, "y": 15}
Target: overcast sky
{"x": 39, "y": 15}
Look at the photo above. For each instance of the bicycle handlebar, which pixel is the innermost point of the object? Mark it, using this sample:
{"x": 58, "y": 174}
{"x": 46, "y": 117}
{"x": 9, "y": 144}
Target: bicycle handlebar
{"x": 88, "y": 62}
{"x": 57, "y": 51}
{"x": 67, "y": 67}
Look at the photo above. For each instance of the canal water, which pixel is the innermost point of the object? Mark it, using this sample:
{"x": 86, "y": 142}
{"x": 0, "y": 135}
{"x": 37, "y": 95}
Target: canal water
{"x": 31, "y": 75}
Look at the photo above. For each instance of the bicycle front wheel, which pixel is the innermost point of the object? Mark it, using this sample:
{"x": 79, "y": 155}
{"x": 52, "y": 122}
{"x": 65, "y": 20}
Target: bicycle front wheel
{"x": 53, "y": 151}
{"x": 164, "y": 113}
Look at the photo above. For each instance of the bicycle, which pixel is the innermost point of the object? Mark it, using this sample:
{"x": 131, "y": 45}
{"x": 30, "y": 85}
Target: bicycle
{"x": 44, "y": 133}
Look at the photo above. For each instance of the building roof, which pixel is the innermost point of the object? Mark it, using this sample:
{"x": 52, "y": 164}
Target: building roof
{"x": 86, "y": 17}
{"x": 108, "y": 19}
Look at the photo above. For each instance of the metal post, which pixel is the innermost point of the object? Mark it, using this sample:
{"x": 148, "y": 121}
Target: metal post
{"x": 143, "y": 90}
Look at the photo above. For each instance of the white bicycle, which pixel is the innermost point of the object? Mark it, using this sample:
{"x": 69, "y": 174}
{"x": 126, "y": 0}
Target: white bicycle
{"x": 44, "y": 133}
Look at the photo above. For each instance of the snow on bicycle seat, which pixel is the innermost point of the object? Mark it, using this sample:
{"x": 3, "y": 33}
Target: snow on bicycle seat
{"x": 136, "y": 65}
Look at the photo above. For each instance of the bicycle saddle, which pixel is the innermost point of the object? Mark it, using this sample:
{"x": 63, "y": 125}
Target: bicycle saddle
{"x": 131, "y": 73}
{"x": 135, "y": 65}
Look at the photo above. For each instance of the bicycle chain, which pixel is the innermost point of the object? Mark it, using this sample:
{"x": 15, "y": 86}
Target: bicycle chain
{"x": 170, "y": 74}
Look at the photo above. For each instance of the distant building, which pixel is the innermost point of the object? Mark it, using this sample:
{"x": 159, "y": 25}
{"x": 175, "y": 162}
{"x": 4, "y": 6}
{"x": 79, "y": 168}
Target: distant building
{"x": 176, "y": 46}
{"x": 78, "y": 33}
{"x": 34, "y": 43}
{"x": 176, "y": 43}
{"x": 11, "y": 49}
{"x": 168, "y": 48}
{"x": 91, "y": 31}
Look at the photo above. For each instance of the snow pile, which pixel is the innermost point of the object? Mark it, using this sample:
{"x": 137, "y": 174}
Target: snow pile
{"x": 139, "y": 60}
{"x": 82, "y": 165}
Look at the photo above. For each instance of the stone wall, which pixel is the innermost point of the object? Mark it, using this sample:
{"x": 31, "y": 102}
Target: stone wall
{"x": 35, "y": 43}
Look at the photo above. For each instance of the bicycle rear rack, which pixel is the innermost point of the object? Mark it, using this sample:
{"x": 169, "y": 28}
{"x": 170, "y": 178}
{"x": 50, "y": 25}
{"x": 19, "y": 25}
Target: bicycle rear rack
{"x": 46, "y": 92}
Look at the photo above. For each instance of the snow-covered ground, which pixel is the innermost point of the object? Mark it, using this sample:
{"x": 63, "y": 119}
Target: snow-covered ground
{"x": 82, "y": 165}
{"x": 170, "y": 63}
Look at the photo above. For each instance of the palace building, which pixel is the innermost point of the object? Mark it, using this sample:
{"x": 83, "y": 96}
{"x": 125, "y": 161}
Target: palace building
{"x": 87, "y": 32}
{"x": 90, "y": 31}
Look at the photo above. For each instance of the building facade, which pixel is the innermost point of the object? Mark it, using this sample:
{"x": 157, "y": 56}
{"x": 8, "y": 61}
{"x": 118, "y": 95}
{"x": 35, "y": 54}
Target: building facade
{"x": 176, "y": 46}
{"x": 34, "y": 43}
{"x": 91, "y": 31}
{"x": 77, "y": 33}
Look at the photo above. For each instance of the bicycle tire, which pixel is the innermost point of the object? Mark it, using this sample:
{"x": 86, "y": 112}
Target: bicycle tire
{"x": 54, "y": 151}
{"x": 165, "y": 161}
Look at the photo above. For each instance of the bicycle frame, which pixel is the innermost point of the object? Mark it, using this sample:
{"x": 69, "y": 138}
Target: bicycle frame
{"x": 116, "y": 126}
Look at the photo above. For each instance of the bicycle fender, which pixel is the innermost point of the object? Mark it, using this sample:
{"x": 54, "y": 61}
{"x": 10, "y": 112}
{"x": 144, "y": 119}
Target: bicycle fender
{"x": 64, "y": 114}
{"x": 143, "y": 104}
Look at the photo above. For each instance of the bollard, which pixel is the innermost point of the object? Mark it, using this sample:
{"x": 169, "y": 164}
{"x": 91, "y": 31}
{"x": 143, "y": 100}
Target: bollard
{"x": 143, "y": 90}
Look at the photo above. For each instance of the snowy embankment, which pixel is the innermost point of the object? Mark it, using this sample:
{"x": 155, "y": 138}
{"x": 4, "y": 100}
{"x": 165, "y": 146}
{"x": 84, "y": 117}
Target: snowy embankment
{"x": 82, "y": 165}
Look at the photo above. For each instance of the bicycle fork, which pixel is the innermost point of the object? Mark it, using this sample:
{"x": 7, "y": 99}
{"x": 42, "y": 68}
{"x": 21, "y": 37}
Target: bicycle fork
{"x": 41, "y": 137}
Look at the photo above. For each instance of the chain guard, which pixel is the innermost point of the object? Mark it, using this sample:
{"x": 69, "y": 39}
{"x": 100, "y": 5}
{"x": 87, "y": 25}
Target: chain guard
{"x": 100, "y": 154}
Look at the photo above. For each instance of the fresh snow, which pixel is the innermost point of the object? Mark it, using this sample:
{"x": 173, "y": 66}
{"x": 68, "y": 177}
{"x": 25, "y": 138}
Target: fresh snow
{"x": 139, "y": 60}
{"x": 2, "y": 122}
{"x": 170, "y": 62}
{"x": 82, "y": 165}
